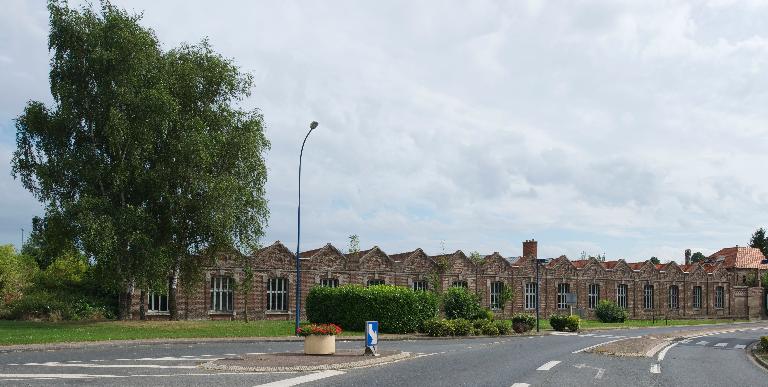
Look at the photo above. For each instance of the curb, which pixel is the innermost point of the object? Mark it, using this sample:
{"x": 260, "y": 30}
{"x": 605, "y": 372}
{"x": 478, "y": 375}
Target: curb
{"x": 756, "y": 359}
{"x": 374, "y": 361}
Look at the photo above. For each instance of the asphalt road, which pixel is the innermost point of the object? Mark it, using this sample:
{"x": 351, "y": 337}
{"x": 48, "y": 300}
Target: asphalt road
{"x": 717, "y": 360}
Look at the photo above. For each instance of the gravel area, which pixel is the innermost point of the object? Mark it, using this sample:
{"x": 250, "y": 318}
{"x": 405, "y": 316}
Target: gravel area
{"x": 298, "y": 361}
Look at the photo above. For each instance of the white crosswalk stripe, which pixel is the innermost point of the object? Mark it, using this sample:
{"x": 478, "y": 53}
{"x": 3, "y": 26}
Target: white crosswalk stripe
{"x": 548, "y": 365}
{"x": 721, "y": 345}
{"x": 739, "y": 346}
{"x": 702, "y": 342}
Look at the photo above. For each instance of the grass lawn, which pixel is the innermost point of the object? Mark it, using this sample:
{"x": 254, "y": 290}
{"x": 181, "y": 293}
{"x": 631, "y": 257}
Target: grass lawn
{"x": 31, "y": 332}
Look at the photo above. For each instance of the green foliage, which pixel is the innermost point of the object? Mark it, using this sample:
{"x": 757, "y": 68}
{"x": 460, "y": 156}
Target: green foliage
{"x": 64, "y": 272}
{"x": 460, "y": 303}
{"x": 438, "y": 328}
{"x": 461, "y": 327}
{"x": 562, "y": 323}
{"x": 489, "y": 329}
{"x": 608, "y": 312}
{"x": 760, "y": 241}
{"x": 764, "y": 344}
{"x": 505, "y": 296}
{"x": 698, "y": 257}
{"x": 144, "y": 157}
{"x": 44, "y": 305}
{"x": 523, "y": 322}
{"x": 655, "y": 260}
{"x": 503, "y": 326}
{"x": 16, "y": 274}
{"x": 764, "y": 280}
{"x": 397, "y": 309}
{"x": 750, "y": 279}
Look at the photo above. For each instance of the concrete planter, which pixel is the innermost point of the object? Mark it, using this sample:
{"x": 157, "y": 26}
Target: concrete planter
{"x": 320, "y": 345}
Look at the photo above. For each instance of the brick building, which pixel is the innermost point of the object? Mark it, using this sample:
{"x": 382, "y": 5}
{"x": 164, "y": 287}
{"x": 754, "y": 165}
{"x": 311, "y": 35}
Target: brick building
{"x": 716, "y": 288}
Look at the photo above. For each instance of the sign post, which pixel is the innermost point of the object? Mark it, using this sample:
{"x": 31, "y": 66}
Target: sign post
{"x": 371, "y": 337}
{"x": 570, "y": 299}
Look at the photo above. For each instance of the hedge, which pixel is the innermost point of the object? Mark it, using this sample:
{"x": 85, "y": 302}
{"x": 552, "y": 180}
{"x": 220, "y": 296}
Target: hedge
{"x": 461, "y": 303}
{"x": 560, "y": 322}
{"x": 608, "y": 312}
{"x": 397, "y": 309}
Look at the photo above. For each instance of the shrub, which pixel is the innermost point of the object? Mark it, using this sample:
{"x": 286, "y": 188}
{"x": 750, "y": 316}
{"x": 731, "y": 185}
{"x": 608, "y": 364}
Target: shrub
{"x": 478, "y": 324}
{"x": 523, "y": 322}
{"x": 57, "y": 306}
{"x": 462, "y": 327}
{"x": 764, "y": 343}
{"x": 485, "y": 314}
{"x": 437, "y": 328}
{"x": 608, "y": 312}
{"x": 562, "y": 323}
{"x": 397, "y": 309}
{"x": 572, "y": 323}
{"x": 503, "y": 326}
{"x": 460, "y": 303}
{"x": 490, "y": 329}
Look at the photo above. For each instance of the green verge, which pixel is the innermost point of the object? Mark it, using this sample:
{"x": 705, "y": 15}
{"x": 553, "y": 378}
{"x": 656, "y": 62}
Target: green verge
{"x": 32, "y": 332}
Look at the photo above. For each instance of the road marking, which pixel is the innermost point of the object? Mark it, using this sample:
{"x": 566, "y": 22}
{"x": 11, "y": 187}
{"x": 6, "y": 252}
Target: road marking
{"x": 255, "y": 353}
{"x": 302, "y": 379}
{"x": 739, "y": 346}
{"x": 521, "y": 385}
{"x": 596, "y": 345}
{"x": 563, "y": 333}
{"x": 702, "y": 342}
{"x": 86, "y": 365}
{"x": 230, "y": 354}
{"x": 664, "y": 351}
{"x": 603, "y": 336}
{"x": 598, "y": 375}
{"x": 56, "y": 376}
{"x": 655, "y": 369}
{"x": 686, "y": 341}
{"x": 619, "y": 337}
{"x": 721, "y": 345}
{"x": 587, "y": 335}
{"x": 548, "y": 365}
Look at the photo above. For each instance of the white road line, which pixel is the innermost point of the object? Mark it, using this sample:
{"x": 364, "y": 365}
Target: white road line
{"x": 302, "y": 379}
{"x": 563, "y": 333}
{"x": 686, "y": 341}
{"x": 721, "y": 345}
{"x": 86, "y": 365}
{"x": 702, "y": 342}
{"x": 664, "y": 351}
{"x": 521, "y": 385}
{"x": 655, "y": 369}
{"x": 548, "y": 365}
{"x": 619, "y": 337}
{"x": 603, "y": 336}
{"x": 55, "y": 376}
{"x": 596, "y": 345}
{"x": 587, "y": 335}
{"x": 255, "y": 353}
{"x": 739, "y": 346}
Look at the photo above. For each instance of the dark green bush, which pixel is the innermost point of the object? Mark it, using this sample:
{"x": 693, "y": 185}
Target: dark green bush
{"x": 608, "y": 312}
{"x": 562, "y": 322}
{"x": 490, "y": 329}
{"x": 523, "y": 322}
{"x": 461, "y": 303}
{"x": 503, "y": 326}
{"x": 478, "y": 324}
{"x": 462, "y": 327}
{"x": 57, "y": 306}
{"x": 438, "y": 328}
{"x": 764, "y": 344}
{"x": 485, "y": 314}
{"x": 397, "y": 309}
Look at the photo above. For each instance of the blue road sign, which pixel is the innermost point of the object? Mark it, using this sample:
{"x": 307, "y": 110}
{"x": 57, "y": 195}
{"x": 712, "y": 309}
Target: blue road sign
{"x": 371, "y": 334}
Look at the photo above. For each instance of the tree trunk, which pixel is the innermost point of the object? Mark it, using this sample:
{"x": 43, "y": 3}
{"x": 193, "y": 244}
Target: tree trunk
{"x": 173, "y": 292}
{"x": 126, "y": 302}
{"x": 142, "y": 302}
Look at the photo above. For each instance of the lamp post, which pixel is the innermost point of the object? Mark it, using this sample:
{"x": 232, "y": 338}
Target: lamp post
{"x": 312, "y": 127}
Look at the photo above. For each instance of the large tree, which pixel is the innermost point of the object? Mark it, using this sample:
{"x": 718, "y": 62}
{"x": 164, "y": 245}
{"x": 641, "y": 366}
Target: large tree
{"x": 144, "y": 155}
{"x": 759, "y": 241}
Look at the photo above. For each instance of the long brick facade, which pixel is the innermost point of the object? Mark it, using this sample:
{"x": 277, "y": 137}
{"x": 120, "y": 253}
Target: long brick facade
{"x": 715, "y": 289}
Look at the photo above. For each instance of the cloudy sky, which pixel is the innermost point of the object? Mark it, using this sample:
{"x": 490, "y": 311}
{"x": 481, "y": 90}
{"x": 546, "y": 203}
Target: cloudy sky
{"x": 636, "y": 128}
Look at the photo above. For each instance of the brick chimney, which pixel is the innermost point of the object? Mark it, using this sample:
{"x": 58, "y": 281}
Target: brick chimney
{"x": 530, "y": 248}
{"x": 687, "y": 256}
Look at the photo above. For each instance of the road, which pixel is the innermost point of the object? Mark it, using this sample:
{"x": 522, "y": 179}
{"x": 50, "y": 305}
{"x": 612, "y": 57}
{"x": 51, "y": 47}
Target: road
{"x": 716, "y": 360}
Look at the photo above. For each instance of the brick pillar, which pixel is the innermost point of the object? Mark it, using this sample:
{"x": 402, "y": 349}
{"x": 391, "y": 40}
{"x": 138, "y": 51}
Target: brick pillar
{"x": 530, "y": 248}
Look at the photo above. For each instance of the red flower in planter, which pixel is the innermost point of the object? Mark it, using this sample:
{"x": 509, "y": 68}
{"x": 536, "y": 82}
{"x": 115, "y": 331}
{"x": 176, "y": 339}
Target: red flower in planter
{"x": 318, "y": 329}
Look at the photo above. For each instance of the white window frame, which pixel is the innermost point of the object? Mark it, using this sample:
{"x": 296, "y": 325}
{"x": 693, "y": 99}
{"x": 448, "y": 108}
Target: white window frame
{"x": 495, "y": 294}
{"x": 329, "y": 282}
{"x": 719, "y": 297}
{"x": 460, "y": 284}
{"x": 697, "y": 297}
{"x": 674, "y": 297}
{"x": 621, "y": 295}
{"x": 420, "y": 285}
{"x": 155, "y": 302}
{"x": 593, "y": 295}
{"x": 375, "y": 281}
{"x": 277, "y": 294}
{"x": 530, "y": 295}
{"x": 222, "y": 295}
{"x": 648, "y": 301}
{"x": 562, "y": 290}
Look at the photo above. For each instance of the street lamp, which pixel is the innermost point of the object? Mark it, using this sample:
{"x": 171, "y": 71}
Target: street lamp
{"x": 312, "y": 127}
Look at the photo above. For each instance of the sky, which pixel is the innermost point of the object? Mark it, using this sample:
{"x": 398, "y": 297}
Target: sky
{"x": 629, "y": 128}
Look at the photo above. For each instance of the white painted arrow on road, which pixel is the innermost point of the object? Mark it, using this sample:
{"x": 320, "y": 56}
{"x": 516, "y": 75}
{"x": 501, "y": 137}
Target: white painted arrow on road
{"x": 600, "y": 371}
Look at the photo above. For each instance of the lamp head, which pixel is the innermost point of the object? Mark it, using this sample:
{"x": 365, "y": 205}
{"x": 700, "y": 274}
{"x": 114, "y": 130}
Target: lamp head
{"x": 313, "y": 125}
